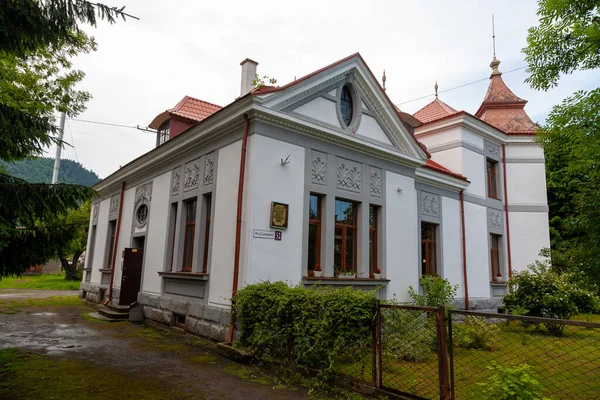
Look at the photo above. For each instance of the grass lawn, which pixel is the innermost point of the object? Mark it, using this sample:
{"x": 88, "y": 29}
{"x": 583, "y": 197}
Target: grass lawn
{"x": 567, "y": 367}
{"x": 16, "y": 306}
{"x": 25, "y": 375}
{"x": 44, "y": 281}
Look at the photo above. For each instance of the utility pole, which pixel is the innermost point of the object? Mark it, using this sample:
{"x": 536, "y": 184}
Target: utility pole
{"x": 58, "y": 147}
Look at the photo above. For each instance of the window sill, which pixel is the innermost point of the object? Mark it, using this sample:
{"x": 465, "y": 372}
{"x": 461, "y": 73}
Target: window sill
{"x": 105, "y": 270}
{"x": 185, "y": 275}
{"x": 345, "y": 281}
{"x": 498, "y": 283}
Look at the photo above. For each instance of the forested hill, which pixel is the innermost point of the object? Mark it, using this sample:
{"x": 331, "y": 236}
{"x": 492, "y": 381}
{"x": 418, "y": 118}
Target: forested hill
{"x": 39, "y": 170}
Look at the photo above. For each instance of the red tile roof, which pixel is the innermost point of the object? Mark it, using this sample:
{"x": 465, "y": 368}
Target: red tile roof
{"x": 432, "y": 165}
{"x": 503, "y": 109}
{"x": 189, "y": 108}
{"x": 433, "y": 111}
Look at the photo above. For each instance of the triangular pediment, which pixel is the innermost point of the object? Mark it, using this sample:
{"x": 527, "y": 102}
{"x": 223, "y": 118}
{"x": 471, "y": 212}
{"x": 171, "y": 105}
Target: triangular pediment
{"x": 317, "y": 99}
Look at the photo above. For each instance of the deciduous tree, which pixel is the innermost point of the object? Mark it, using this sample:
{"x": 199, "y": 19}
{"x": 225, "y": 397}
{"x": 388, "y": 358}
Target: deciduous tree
{"x": 566, "y": 40}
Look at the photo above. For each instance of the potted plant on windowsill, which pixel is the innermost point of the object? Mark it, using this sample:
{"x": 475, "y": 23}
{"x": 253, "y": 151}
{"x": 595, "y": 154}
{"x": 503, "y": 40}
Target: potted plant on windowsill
{"x": 498, "y": 278}
{"x": 377, "y": 273}
{"x": 317, "y": 272}
{"x": 348, "y": 273}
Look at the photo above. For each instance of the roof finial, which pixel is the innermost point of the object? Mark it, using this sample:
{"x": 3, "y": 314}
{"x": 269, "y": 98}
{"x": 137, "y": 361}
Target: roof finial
{"x": 436, "y": 88}
{"x": 493, "y": 36}
{"x": 383, "y": 79}
{"x": 495, "y": 62}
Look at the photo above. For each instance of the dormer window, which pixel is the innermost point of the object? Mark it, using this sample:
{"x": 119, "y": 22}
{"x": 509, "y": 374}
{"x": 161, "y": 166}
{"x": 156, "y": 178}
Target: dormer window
{"x": 163, "y": 132}
{"x": 346, "y": 105}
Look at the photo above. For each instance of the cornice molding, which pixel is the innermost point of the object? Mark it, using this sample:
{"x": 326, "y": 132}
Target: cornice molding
{"x": 289, "y": 122}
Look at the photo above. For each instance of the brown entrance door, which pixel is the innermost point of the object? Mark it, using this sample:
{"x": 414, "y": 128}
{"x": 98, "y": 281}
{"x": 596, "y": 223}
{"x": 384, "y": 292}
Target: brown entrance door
{"x": 132, "y": 273}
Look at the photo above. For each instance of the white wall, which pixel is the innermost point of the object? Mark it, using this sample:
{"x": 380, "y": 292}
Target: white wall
{"x": 223, "y": 240}
{"x": 320, "y": 109}
{"x": 101, "y": 241}
{"x": 370, "y": 128}
{"x": 268, "y": 259}
{"x": 451, "y": 159}
{"x": 524, "y": 151}
{"x": 445, "y": 137}
{"x": 528, "y": 235}
{"x": 526, "y": 183}
{"x": 477, "y": 243}
{"x": 401, "y": 236}
{"x": 124, "y": 233}
{"x": 472, "y": 138}
{"x": 158, "y": 224}
{"x": 474, "y": 168}
{"x": 452, "y": 244}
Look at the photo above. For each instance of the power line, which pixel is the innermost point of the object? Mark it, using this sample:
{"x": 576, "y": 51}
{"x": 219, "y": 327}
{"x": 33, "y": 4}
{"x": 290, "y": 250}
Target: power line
{"x": 102, "y": 123}
{"x": 458, "y": 87}
{"x": 112, "y": 124}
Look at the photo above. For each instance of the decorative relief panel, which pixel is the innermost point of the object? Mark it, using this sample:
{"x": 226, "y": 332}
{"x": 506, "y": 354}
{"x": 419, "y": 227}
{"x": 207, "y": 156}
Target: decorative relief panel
{"x": 348, "y": 175}
{"x": 493, "y": 150}
{"x": 175, "y": 182}
{"x": 209, "y": 169}
{"x": 430, "y": 204}
{"x": 319, "y": 168}
{"x": 143, "y": 193}
{"x": 375, "y": 182}
{"x": 191, "y": 175}
{"x": 114, "y": 206}
{"x": 95, "y": 212}
{"x": 495, "y": 218}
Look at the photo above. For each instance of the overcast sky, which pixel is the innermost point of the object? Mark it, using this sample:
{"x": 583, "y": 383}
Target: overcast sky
{"x": 194, "y": 48}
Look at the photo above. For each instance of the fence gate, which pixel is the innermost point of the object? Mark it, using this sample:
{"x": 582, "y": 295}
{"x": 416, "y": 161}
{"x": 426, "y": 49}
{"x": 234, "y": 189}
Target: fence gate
{"x": 411, "y": 355}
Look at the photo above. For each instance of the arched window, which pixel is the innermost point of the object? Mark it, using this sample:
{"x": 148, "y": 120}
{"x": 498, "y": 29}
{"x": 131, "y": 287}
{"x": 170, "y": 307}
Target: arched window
{"x": 346, "y": 105}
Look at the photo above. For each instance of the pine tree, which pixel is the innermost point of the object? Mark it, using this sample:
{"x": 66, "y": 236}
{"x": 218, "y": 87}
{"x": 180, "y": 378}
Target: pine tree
{"x": 37, "y": 40}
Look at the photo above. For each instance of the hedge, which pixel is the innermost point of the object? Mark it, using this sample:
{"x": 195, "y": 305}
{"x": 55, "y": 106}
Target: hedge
{"x": 315, "y": 327}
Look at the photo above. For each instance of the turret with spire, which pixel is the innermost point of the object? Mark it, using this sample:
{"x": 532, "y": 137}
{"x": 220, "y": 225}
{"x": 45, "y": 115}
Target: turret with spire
{"x": 501, "y": 107}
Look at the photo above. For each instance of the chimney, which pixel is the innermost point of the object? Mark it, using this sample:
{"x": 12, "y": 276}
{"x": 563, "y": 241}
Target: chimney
{"x": 248, "y": 75}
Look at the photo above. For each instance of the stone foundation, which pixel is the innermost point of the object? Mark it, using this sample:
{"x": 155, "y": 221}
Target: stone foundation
{"x": 480, "y": 305}
{"x": 96, "y": 293}
{"x": 210, "y": 322}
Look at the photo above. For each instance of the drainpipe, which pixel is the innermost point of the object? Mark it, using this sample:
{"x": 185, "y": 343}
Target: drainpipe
{"x": 238, "y": 227}
{"x": 464, "y": 247}
{"x": 116, "y": 246}
{"x": 506, "y": 211}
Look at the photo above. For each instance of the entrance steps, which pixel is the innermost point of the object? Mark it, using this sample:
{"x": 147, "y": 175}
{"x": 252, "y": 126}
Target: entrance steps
{"x": 112, "y": 312}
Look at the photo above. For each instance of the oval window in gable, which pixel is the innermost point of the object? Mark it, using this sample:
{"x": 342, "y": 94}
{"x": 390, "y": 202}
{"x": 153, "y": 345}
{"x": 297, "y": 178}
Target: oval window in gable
{"x": 346, "y": 105}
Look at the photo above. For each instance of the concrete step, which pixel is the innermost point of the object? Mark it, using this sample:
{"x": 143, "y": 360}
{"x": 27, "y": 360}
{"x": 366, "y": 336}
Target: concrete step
{"x": 110, "y": 313}
{"x": 118, "y": 308}
{"x": 97, "y": 316}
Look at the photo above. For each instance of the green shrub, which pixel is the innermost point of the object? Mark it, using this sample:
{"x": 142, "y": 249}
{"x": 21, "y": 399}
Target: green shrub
{"x": 317, "y": 327}
{"x": 436, "y": 292}
{"x": 475, "y": 333}
{"x": 546, "y": 293}
{"x": 512, "y": 383}
{"x": 408, "y": 335}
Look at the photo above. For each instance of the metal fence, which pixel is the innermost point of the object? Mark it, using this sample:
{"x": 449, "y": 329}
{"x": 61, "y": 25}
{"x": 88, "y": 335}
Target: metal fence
{"x": 411, "y": 355}
{"x": 559, "y": 359}
{"x": 428, "y": 353}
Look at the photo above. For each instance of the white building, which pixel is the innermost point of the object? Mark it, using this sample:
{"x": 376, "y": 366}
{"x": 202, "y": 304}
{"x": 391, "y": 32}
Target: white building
{"x": 333, "y": 176}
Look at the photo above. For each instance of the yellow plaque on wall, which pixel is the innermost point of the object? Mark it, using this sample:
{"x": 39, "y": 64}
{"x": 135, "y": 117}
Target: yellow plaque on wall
{"x": 279, "y": 215}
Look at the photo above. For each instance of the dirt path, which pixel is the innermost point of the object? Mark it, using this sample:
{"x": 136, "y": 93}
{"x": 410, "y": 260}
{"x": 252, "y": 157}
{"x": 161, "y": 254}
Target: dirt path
{"x": 173, "y": 359}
